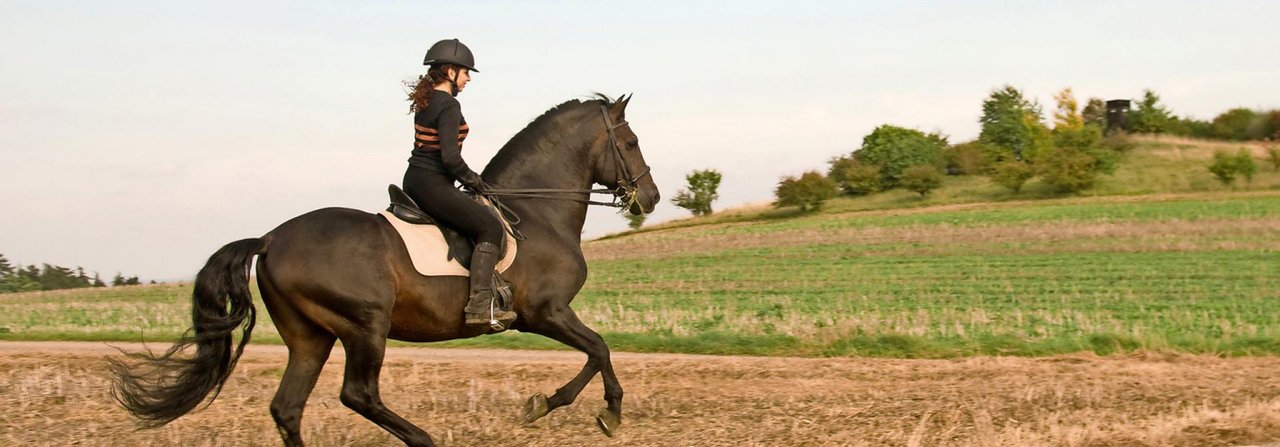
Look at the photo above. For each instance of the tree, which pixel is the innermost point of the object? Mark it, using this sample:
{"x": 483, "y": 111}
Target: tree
{"x": 635, "y": 221}
{"x": 1242, "y": 124}
{"x": 1067, "y": 115}
{"x": 132, "y": 281}
{"x": 922, "y": 179}
{"x": 808, "y": 191}
{"x": 19, "y": 281}
{"x": 1273, "y": 156}
{"x": 6, "y": 269}
{"x": 1191, "y": 127}
{"x": 97, "y": 280}
{"x": 700, "y": 194}
{"x": 1150, "y": 116}
{"x": 1275, "y": 124}
{"x": 53, "y": 277}
{"x": 1095, "y": 112}
{"x": 855, "y": 177}
{"x": 894, "y": 149}
{"x": 24, "y": 279}
{"x": 1011, "y": 174}
{"x": 118, "y": 280}
{"x": 1011, "y": 124}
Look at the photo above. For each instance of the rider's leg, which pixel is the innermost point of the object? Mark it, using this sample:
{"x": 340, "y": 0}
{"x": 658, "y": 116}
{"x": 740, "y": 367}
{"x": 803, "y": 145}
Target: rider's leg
{"x": 444, "y": 202}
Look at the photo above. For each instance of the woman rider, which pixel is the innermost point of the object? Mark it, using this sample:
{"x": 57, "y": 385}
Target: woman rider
{"x": 436, "y": 163}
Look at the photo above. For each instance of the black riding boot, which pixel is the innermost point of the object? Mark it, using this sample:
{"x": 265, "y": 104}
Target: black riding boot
{"x": 482, "y": 307}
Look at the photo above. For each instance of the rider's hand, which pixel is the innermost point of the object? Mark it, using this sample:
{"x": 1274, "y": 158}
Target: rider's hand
{"x": 478, "y": 185}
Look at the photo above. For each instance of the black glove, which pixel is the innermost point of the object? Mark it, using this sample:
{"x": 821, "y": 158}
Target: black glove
{"x": 474, "y": 183}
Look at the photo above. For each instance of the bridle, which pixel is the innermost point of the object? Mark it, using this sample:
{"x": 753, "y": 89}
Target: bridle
{"x": 623, "y": 197}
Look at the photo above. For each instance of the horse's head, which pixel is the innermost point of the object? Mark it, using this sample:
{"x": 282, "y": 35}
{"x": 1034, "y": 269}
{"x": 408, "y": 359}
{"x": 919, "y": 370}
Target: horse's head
{"x": 619, "y": 163}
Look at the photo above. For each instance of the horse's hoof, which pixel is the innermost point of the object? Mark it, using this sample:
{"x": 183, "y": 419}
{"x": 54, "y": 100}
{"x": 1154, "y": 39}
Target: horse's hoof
{"x": 535, "y": 408}
{"x": 608, "y": 421}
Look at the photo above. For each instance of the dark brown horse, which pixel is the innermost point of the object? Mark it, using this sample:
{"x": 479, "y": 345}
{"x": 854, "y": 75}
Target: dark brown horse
{"x": 342, "y": 274}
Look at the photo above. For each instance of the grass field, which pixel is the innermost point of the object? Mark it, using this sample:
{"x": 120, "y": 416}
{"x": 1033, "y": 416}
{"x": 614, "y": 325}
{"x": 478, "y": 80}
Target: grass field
{"x": 1191, "y": 274}
{"x": 1166, "y": 263}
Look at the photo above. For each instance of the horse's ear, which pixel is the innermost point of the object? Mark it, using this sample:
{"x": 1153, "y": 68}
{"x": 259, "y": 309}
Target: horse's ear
{"x": 620, "y": 106}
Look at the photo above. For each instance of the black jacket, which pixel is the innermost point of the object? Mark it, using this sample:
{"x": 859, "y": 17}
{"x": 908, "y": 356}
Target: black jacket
{"x": 439, "y": 130}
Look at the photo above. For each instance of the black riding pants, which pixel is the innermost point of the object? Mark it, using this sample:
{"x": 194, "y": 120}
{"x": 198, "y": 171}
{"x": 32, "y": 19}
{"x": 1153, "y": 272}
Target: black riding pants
{"x": 436, "y": 194}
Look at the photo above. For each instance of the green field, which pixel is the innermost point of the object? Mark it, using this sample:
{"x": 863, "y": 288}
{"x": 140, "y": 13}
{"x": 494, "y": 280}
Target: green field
{"x": 1182, "y": 271}
{"x": 1195, "y": 274}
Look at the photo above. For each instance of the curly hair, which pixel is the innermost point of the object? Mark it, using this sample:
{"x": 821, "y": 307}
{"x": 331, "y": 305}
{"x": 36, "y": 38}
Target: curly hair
{"x": 420, "y": 91}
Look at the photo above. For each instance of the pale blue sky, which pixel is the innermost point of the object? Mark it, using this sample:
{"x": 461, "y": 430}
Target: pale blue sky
{"x": 141, "y": 136}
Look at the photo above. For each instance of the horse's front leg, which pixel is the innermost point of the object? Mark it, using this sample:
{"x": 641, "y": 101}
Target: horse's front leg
{"x": 563, "y": 325}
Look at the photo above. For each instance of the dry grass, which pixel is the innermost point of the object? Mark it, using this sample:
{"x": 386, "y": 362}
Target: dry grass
{"x": 1182, "y": 148}
{"x": 58, "y": 396}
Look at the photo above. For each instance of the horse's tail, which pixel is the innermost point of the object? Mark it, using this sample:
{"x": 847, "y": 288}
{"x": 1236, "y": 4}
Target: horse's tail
{"x": 160, "y": 388}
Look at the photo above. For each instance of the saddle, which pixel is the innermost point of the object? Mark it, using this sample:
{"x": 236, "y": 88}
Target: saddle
{"x": 437, "y": 250}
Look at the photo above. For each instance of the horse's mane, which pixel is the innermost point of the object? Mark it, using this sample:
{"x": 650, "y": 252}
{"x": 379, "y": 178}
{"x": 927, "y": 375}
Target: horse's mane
{"x": 543, "y": 132}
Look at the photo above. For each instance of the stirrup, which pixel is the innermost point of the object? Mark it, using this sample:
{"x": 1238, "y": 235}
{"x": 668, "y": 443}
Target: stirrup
{"x": 492, "y": 320}
{"x": 495, "y": 323}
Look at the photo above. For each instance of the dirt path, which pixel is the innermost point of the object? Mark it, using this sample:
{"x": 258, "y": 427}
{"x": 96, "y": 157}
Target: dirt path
{"x": 57, "y": 394}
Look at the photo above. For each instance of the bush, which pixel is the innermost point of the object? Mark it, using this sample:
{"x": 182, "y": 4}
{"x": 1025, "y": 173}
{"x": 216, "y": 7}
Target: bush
{"x": 1118, "y": 142}
{"x": 967, "y": 159}
{"x": 701, "y": 192}
{"x": 635, "y": 221}
{"x": 808, "y": 191}
{"x": 1228, "y": 167}
{"x": 1011, "y": 174}
{"x": 1273, "y": 155}
{"x": 922, "y": 179}
{"x": 1068, "y": 169}
{"x": 894, "y": 149}
{"x": 1077, "y": 137}
{"x": 854, "y": 177}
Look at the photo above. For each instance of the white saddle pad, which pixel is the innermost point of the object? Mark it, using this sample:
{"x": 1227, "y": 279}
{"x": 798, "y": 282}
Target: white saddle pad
{"x": 429, "y": 252}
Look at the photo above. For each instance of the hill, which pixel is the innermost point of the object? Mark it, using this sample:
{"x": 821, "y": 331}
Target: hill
{"x": 1159, "y": 256}
{"x": 1154, "y": 165}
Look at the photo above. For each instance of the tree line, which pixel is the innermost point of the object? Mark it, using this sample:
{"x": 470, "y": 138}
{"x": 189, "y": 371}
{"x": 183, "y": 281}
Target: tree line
{"x": 1014, "y": 146}
{"x": 19, "y": 278}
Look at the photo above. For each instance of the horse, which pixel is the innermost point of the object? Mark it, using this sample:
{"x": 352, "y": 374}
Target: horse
{"x": 344, "y": 274}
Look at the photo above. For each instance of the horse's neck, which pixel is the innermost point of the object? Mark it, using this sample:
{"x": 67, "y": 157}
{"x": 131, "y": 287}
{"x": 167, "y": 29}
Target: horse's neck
{"x": 549, "y": 165}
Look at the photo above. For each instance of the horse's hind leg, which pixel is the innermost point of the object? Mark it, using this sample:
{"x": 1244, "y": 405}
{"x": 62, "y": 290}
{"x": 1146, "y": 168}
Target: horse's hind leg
{"x": 564, "y": 326}
{"x": 365, "y": 351}
{"x": 309, "y": 347}
{"x": 306, "y": 358}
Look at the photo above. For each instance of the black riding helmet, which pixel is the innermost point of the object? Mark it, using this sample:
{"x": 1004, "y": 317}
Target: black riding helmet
{"x": 451, "y": 51}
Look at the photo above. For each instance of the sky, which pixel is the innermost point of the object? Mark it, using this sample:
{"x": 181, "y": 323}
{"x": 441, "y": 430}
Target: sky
{"x": 140, "y": 136}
